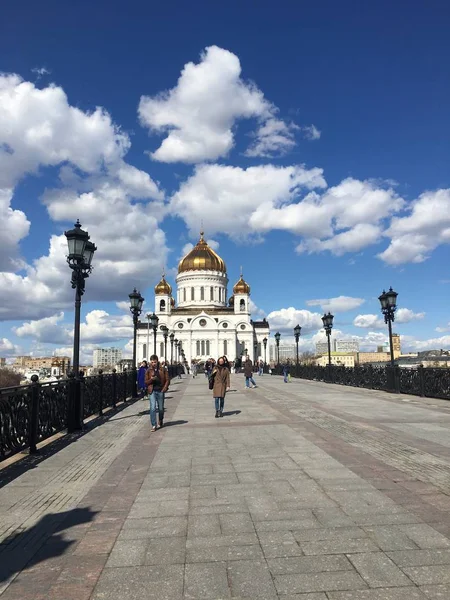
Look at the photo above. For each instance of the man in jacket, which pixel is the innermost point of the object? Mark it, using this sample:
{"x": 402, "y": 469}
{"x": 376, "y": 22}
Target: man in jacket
{"x": 248, "y": 372}
{"x": 157, "y": 382}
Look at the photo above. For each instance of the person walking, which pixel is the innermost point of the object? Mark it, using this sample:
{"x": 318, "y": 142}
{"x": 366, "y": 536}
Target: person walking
{"x": 194, "y": 369}
{"x": 248, "y": 372}
{"x": 157, "y": 382}
{"x": 221, "y": 385}
{"x": 260, "y": 368}
{"x": 141, "y": 378}
{"x": 286, "y": 373}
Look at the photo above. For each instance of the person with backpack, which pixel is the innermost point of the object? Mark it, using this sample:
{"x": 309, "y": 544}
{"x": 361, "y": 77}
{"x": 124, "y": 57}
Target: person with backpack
{"x": 219, "y": 383}
{"x": 157, "y": 383}
{"x": 248, "y": 372}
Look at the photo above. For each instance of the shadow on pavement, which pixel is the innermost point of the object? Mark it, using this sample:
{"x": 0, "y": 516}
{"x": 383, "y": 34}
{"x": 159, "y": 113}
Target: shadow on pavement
{"x": 171, "y": 423}
{"x": 230, "y": 413}
{"x": 31, "y": 461}
{"x": 18, "y": 548}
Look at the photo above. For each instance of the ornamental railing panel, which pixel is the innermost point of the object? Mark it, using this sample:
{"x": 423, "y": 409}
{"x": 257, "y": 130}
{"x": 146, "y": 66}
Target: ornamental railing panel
{"x": 15, "y": 416}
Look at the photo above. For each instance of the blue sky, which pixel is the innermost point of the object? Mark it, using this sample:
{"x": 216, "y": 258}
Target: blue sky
{"x": 313, "y": 141}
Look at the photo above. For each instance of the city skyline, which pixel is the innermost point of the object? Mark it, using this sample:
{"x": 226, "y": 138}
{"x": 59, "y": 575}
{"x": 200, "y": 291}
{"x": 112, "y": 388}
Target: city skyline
{"x": 317, "y": 163}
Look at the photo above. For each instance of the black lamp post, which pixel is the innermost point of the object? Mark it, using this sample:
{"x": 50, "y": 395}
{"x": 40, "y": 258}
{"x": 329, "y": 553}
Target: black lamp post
{"x": 165, "y": 331}
{"x": 265, "y": 350}
{"x": 171, "y": 338}
{"x": 328, "y": 326}
{"x": 176, "y": 350}
{"x": 136, "y": 302}
{"x": 154, "y": 323}
{"x": 255, "y": 350}
{"x": 277, "y": 341}
{"x": 388, "y": 301}
{"x": 81, "y": 252}
{"x": 297, "y": 331}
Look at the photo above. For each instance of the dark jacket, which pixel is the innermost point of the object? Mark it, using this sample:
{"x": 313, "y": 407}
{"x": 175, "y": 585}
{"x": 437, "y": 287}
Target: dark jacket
{"x": 221, "y": 381}
{"x": 248, "y": 368}
{"x": 141, "y": 377}
{"x": 163, "y": 376}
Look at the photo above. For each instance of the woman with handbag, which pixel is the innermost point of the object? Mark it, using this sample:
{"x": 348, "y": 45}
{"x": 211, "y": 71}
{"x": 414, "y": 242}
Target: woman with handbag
{"x": 219, "y": 384}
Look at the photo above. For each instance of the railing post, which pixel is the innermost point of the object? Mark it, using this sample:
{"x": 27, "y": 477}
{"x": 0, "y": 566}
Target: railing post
{"x": 71, "y": 402}
{"x": 114, "y": 389}
{"x": 100, "y": 392}
{"x": 81, "y": 389}
{"x": 125, "y": 385}
{"x": 421, "y": 373}
{"x": 34, "y": 416}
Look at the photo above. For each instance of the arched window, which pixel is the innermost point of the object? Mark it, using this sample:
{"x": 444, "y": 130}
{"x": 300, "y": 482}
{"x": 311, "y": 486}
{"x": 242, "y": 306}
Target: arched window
{"x": 203, "y": 347}
{"x": 192, "y": 293}
{"x": 184, "y": 294}
{"x": 225, "y": 347}
{"x": 144, "y": 352}
{"x": 211, "y": 293}
{"x": 198, "y": 347}
{"x": 242, "y": 305}
{"x": 161, "y": 350}
{"x": 162, "y": 306}
{"x": 207, "y": 348}
{"x": 202, "y": 293}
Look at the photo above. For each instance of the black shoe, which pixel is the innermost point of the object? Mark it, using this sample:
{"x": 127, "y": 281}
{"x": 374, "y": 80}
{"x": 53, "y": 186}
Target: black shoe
{"x": 220, "y": 413}
{"x": 216, "y": 416}
{"x": 161, "y": 423}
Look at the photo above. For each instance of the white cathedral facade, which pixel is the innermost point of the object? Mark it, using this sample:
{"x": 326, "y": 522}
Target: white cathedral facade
{"x": 202, "y": 319}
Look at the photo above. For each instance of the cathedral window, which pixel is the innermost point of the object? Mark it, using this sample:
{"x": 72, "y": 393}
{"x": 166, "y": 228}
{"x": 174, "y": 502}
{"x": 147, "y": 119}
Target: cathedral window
{"x": 192, "y": 293}
{"x": 144, "y": 351}
{"x": 198, "y": 347}
{"x": 184, "y": 294}
{"x": 162, "y": 306}
{"x": 161, "y": 350}
{"x": 242, "y": 305}
{"x": 203, "y": 347}
{"x": 202, "y": 293}
{"x": 211, "y": 293}
{"x": 207, "y": 347}
{"x": 225, "y": 347}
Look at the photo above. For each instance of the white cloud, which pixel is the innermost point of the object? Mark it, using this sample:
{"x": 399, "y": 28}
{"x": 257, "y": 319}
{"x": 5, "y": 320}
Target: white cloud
{"x": 47, "y": 330}
{"x": 41, "y": 71}
{"x": 412, "y": 344}
{"x": 403, "y": 315}
{"x": 274, "y": 137}
{"x": 255, "y": 311}
{"x": 415, "y": 236}
{"x": 119, "y": 205}
{"x": 230, "y": 199}
{"x": 352, "y": 240}
{"x": 443, "y": 329}
{"x": 7, "y": 348}
{"x": 199, "y": 113}
{"x": 286, "y": 319}
{"x": 337, "y": 304}
{"x": 310, "y": 132}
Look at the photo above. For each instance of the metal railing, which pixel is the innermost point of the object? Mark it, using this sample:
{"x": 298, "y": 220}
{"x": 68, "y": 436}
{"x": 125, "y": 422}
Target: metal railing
{"x": 422, "y": 381}
{"x": 32, "y": 413}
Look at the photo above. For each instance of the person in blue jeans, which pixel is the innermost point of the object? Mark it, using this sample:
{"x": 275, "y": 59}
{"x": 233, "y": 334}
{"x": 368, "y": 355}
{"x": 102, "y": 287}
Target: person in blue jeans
{"x": 141, "y": 378}
{"x": 248, "y": 372}
{"x": 157, "y": 382}
{"x": 286, "y": 373}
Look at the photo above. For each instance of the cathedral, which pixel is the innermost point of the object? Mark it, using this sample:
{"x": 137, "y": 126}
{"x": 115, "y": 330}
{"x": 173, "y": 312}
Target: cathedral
{"x": 200, "y": 319}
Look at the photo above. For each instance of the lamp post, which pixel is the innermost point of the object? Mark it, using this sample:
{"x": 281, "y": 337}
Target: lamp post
{"x": 79, "y": 258}
{"x": 265, "y": 350}
{"x": 171, "y": 338}
{"x": 154, "y": 323}
{"x": 388, "y": 301}
{"x": 136, "y": 301}
{"x": 255, "y": 350}
{"x": 147, "y": 352}
{"x": 327, "y": 320}
{"x": 297, "y": 331}
{"x": 277, "y": 341}
{"x": 165, "y": 331}
{"x": 176, "y": 350}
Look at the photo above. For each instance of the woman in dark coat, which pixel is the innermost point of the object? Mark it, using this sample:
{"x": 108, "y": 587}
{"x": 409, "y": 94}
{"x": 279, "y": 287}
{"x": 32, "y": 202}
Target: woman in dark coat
{"x": 221, "y": 384}
{"x": 141, "y": 378}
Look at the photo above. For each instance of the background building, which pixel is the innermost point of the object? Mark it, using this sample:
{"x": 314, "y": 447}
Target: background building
{"x": 287, "y": 352}
{"x": 2, "y": 362}
{"x": 106, "y": 357}
{"x": 343, "y": 346}
{"x": 337, "y": 358}
{"x": 54, "y": 365}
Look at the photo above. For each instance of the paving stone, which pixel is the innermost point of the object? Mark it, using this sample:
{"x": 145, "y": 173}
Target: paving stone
{"x": 251, "y": 579}
{"x": 134, "y": 529}
{"x": 425, "y": 536}
{"x": 429, "y": 575}
{"x": 378, "y": 570}
{"x": 406, "y": 593}
{"x": 329, "y": 533}
{"x": 390, "y": 537}
{"x": 237, "y": 539}
{"x": 417, "y": 558}
{"x": 203, "y": 525}
{"x": 137, "y": 583}
{"x": 206, "y": 581}
{"x": 286, "y": 525}
{"x": 436, "y": 592}
{"x": 308, "y": 564}
{"x": 318, "y": 582}
{"x": 224, "y": 553}
{"x": 338, "y": 546}
{"x": 239, "y": 523}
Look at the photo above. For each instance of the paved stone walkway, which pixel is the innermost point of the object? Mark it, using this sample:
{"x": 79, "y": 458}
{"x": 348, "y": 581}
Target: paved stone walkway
{"x": 303, "y": 490}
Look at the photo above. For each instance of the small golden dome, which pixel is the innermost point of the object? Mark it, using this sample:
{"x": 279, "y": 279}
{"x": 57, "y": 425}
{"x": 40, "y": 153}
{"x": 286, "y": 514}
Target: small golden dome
{"x": 202, "y": 258}
{"x": 241, "y": 287}
{"x": 172, "y": 301}
{"x": 163, "y": 288}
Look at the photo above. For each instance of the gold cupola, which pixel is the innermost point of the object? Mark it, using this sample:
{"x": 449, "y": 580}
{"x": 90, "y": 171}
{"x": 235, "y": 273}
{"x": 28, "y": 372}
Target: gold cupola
{"x": 163, "y": 288}
{"x": 201, "y": 258}
{"x": 241, "y": 286}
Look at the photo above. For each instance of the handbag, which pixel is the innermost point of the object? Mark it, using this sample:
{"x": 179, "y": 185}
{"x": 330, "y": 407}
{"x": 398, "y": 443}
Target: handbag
{"x": 211, "y": 381}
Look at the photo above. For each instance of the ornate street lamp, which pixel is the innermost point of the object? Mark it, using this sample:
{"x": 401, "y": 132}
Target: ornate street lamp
{"x": 171, "y": 338}
{"x": 176, "y": 350}
{"x": 297, "y": 331}
{"x": 136, "y": 302}
{"x": 147, "y": 351}
{"x": 265, "y": 350}
{"x": 165, "y": 331}
{"x": 79, "y": 258}
{"x": 327, "y": 320}
{"x": 154, "y": 323}
{"x": 255, "y": 350}
{"x": 388, "y": 301}
{"x": 277, "y": 337}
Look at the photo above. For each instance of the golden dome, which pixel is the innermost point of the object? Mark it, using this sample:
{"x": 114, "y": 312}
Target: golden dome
{"x": 172, "y": 301}
{"x": 163, "y": 288}
{"x": 241, "y": 287}
{"x": 202, "y": 258}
